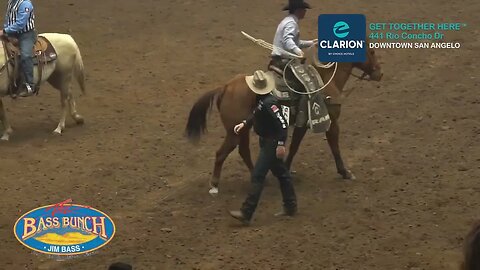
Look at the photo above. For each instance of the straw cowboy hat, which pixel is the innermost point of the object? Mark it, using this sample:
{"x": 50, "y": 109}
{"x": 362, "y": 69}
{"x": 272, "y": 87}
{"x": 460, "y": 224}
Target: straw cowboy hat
{"x": 260, "y": 82}
{"x": 296, "y": 4}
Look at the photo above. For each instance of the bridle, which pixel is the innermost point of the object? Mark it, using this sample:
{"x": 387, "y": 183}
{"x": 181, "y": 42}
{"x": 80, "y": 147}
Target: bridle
{"x": 361, "y": 77}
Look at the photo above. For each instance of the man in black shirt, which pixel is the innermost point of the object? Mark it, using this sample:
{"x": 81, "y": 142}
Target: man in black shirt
{"x": 272, "y": 128}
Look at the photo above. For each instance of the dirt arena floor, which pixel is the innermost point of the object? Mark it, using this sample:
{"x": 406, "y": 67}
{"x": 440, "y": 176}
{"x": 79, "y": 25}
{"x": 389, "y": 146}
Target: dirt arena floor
{"x": 411, "y": 139}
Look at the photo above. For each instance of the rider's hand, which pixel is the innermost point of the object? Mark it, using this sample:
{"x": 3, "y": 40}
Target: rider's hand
{"x": 238, "y": 127}
{"x": 281, "y": 151}
{"x": 299, "y": 52}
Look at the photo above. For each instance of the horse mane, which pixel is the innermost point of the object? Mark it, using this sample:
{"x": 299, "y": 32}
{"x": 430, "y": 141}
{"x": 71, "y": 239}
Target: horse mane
{"x": 471, "y": 250}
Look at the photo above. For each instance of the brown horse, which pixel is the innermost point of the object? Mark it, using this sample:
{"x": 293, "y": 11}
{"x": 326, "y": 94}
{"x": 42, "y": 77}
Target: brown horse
{"x": 235, "y": 101}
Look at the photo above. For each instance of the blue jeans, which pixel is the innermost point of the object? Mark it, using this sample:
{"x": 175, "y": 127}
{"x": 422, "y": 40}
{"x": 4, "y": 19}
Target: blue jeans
{"x": 26, "y": 42}
{"x": 268, "y": 161}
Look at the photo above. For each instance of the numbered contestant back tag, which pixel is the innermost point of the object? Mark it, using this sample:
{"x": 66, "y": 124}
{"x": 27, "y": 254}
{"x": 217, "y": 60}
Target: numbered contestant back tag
{"x": 286, "y": 113}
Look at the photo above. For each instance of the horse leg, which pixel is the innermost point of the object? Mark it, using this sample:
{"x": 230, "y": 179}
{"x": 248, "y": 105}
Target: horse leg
{"x": 7, "y": 129}
{"x": 229, "y": 144}
{"x": 63, "y": 103}
{"x": 333, "y": 135}
{"x": 297, "y": 137}
{"x": 62, "y": 82}
{"x": 244, "y": 149}
{"x": 73, "y": 109}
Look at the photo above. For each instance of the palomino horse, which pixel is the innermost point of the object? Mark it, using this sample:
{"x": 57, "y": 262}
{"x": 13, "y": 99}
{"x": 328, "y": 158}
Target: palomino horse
{"x": 235, "y": 101}
{"x": 59, "y": 73}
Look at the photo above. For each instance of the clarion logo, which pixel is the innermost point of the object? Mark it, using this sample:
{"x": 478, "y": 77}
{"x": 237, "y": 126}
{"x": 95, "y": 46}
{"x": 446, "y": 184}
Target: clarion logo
{"x": 342, "y": 44}
{"x": 342, "y": 38}
{"x": 341, "y": 29}
{"x": 64, "y": 229}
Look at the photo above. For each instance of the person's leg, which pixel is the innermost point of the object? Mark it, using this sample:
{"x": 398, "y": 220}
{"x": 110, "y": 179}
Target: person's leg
{"x": 26, "y": 41}
{"x": 280, "y": 170}
{"x": 262, "y": 166}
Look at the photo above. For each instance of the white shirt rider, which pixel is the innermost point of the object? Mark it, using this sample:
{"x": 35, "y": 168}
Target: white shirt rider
{"x": 287, "y": 37}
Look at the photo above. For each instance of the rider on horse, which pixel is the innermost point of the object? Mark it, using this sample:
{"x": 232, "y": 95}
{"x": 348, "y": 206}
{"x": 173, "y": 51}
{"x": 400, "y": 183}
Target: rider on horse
{"x": 287, "y": 37}
{"x": 20, "y": 23}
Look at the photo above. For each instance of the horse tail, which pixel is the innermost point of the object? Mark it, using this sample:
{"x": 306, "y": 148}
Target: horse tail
{"x": 79, "y": 69}
{"x": 197, "y": 119}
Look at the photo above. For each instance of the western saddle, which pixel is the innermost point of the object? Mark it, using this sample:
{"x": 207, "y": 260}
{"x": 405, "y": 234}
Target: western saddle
{"x": 43, "y": 53}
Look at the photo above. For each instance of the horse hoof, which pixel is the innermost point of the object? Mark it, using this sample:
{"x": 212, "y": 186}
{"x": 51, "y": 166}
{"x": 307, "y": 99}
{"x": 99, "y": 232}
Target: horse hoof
{"x": 79, "y": 119}
{"x": 348, "y": 175}
{"x": 57, "y": 131}
{"x": 213, "y": 191}
{"x": 5, "y": 138}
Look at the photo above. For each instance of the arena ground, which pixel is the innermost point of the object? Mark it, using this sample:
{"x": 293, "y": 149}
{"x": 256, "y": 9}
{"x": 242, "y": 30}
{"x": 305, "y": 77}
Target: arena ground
{"x": 411, "y": 139}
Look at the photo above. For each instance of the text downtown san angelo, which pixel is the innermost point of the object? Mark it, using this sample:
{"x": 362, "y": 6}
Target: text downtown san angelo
{"x": 79, "y": 230}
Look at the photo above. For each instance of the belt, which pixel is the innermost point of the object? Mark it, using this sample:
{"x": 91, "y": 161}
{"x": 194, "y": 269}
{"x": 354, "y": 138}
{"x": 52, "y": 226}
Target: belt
{"x": 21, "y": 32}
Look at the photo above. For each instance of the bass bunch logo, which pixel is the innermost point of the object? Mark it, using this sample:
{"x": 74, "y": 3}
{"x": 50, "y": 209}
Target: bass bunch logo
{"x": 64, "y": 229}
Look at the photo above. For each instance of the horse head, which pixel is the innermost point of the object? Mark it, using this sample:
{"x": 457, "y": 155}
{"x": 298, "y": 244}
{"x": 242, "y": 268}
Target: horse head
{"x": 371, "y": 66}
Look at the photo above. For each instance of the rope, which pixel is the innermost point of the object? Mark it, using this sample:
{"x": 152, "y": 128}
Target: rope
{"x": 269, "y": 46}
{"x": 303, "y": 93}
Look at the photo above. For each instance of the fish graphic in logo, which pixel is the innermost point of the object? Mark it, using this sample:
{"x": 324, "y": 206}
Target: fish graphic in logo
{"x": 64, "y": 229}
{"x": 340, "y": 29}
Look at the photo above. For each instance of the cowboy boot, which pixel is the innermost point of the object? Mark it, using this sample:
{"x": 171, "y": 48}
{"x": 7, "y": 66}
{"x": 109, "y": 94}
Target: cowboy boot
{"x": 250, "y": 204}
{"x": 240, "y": 216}
{"x": 289, "y": 197}
{"x": 286, "y": 211}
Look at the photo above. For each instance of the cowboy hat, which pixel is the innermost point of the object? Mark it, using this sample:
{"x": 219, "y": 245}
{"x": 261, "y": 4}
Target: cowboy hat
{"x": 260, "y": 82}
{"x": 296, "y": 4}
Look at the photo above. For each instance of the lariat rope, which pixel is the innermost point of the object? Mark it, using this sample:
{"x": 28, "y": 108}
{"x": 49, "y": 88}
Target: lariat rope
{"x": 294, "y": 57}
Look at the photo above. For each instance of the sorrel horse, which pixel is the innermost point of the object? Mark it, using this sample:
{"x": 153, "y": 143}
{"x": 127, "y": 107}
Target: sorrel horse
{"x": 235, "y": 101}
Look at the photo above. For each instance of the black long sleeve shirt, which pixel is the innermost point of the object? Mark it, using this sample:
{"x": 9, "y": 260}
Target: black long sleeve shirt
{"x": 268, "y": 120}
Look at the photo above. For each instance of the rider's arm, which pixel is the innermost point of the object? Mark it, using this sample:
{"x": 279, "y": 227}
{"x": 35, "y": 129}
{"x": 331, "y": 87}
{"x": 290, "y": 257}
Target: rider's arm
{"x": 305, "y": 43}
{"x": 288, "y": 35}
{"x": 23, "y": 14}
{"x": 249, "y": 120}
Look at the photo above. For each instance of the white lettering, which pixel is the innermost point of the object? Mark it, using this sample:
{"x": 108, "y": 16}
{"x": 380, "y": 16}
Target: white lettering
{"x": 390, "y": 45}
{"x": 70, "y": 249}
{"x": 342, "y": 44}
